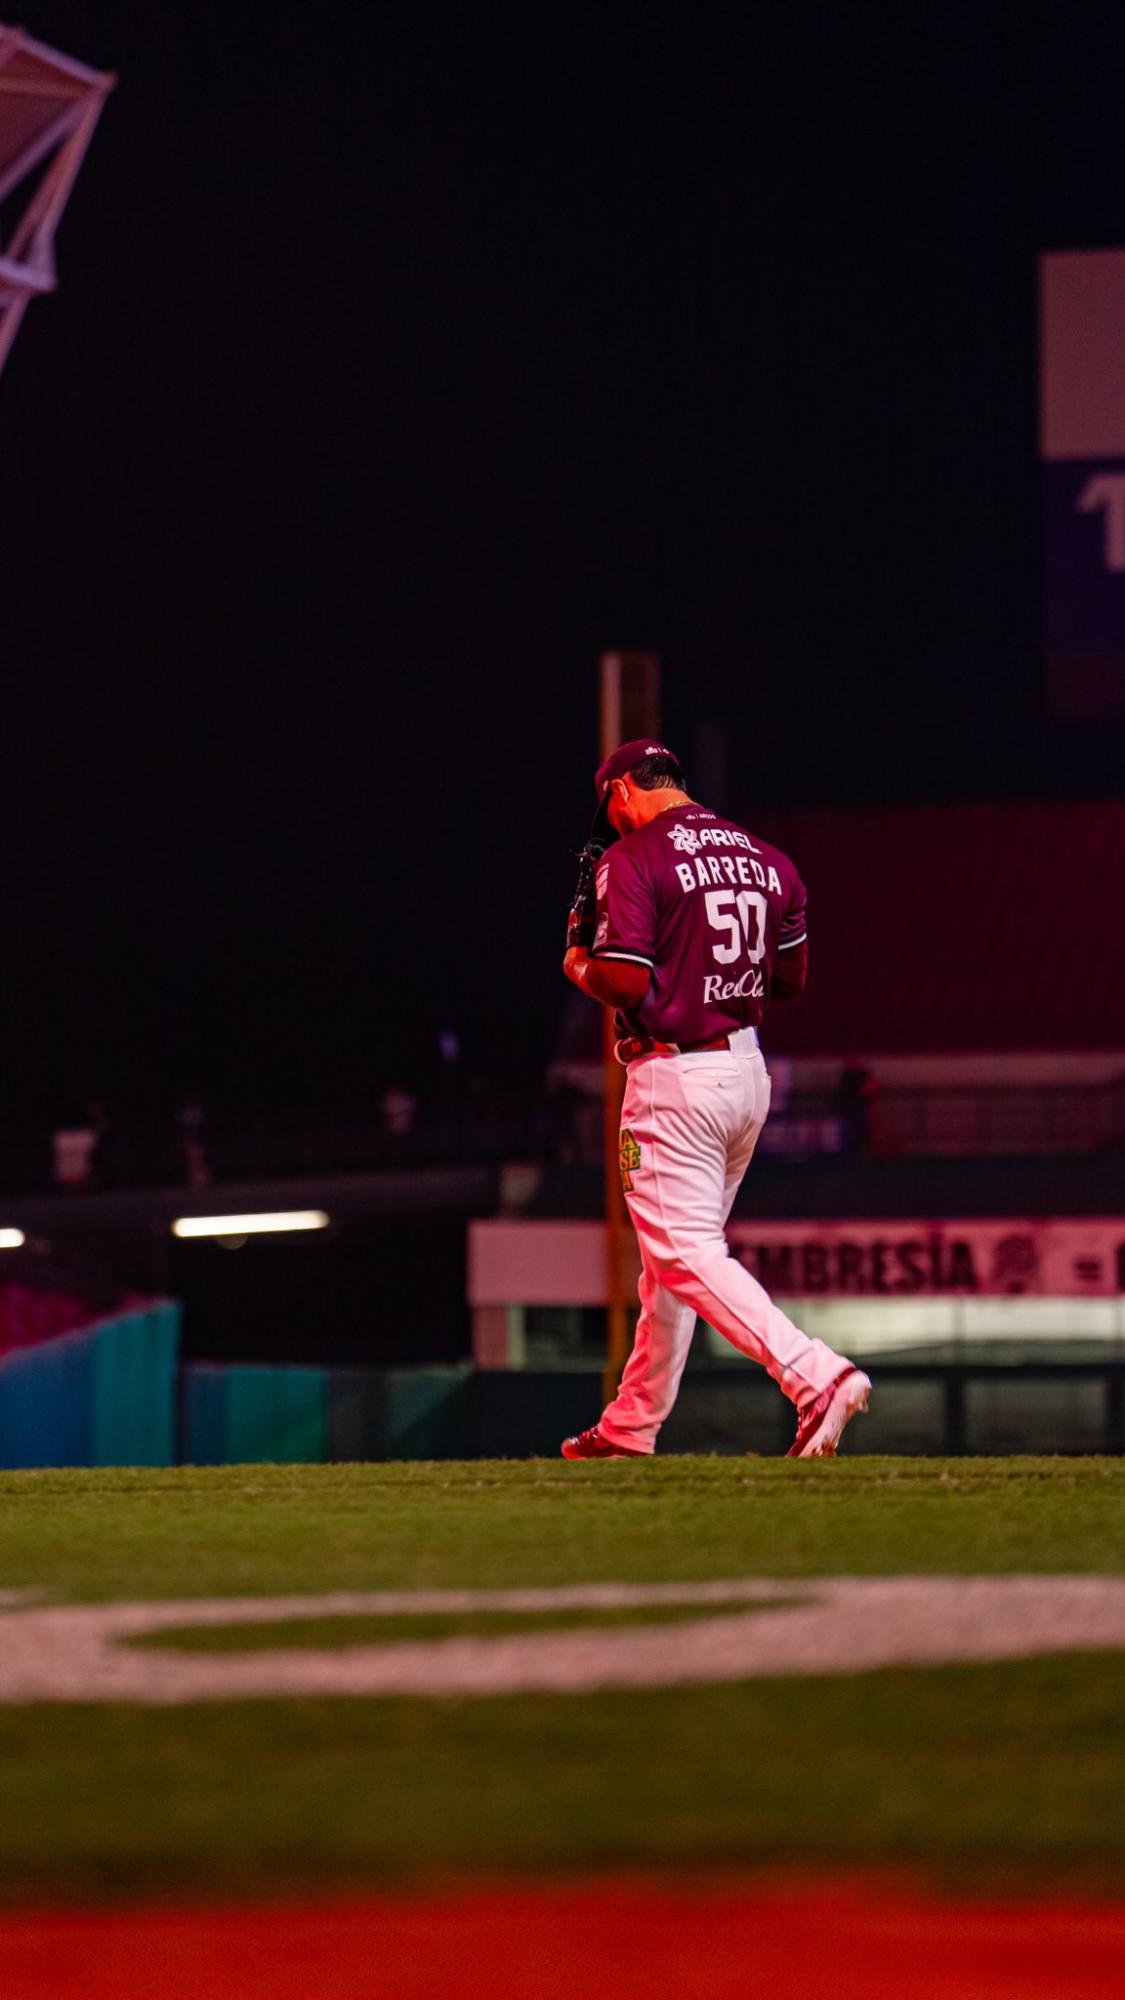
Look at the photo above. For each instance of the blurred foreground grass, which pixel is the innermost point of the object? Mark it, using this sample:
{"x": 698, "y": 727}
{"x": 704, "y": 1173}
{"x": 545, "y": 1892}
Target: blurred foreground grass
{"x": 996, "y": 1777}
{"x": 1006, "y": 1778}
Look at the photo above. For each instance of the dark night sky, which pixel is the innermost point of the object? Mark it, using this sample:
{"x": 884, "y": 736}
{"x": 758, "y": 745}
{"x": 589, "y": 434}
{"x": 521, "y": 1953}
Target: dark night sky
{"x": 406, "y": 357}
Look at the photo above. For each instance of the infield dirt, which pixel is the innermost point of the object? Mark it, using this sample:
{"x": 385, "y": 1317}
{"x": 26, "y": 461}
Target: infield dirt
{"x": 870, "y": 1941}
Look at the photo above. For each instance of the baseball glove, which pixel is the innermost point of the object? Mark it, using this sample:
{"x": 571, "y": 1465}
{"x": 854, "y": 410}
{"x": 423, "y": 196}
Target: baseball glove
{"x": 583, "y": 910}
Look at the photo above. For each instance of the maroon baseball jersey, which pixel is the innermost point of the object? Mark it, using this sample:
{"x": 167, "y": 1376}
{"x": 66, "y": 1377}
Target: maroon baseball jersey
{"x": 708, "y": 908}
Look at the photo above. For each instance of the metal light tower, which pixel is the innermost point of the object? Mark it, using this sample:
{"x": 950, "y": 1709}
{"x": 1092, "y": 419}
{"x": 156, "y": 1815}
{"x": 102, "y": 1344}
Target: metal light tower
{"x": 49, "y": 106}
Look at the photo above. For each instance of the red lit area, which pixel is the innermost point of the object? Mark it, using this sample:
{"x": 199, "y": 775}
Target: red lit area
{"x": 635, "y": 1940}
{"x": 959, "y": 928}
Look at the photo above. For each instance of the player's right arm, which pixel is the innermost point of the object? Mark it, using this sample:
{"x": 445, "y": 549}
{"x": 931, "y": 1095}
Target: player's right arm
{"x": 625, "y": 926}
{"x": 619, "y": 986}
{"x": 618, "y": 967}
{"x": 791, "y": 966}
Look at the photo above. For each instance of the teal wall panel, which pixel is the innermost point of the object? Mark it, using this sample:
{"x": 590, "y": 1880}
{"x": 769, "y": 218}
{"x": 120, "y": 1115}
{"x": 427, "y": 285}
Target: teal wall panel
{"x": 203, "y": 1415}
{"x": 425, "y": 1412}
{"x": 46, "y": 1402}
{"x": 104, "y": 1395}
{"x": 255, "y": 1416}
{"x": 357, "y": 1415}
{"x": 396, "y": 1412}
{"x": 277, "y": 1416}
{"x": 135, "y": 1387}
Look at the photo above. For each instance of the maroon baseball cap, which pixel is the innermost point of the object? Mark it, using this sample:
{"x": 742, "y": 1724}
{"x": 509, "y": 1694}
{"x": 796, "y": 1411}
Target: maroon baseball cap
{"x": 618, "y": 765}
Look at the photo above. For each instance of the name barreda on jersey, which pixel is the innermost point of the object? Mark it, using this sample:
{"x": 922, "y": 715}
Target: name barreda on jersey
{"x": 707, "y": 869}
{"x": 751, "y": 986}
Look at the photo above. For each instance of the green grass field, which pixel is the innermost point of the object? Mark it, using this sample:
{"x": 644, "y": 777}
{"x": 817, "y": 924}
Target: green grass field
{"x": 998, "y": 1776}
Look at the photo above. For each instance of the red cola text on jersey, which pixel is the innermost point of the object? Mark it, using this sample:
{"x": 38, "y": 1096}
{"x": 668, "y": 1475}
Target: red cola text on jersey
{"x": 708, "y": 907}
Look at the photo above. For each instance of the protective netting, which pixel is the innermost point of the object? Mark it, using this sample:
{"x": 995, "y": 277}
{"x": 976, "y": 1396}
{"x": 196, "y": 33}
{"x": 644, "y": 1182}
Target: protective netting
{"x": 49, "y": 106}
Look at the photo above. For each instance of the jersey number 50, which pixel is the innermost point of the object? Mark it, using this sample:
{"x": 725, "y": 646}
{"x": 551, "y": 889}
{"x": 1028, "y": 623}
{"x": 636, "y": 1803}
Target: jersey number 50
{"x": 736, "y": 914}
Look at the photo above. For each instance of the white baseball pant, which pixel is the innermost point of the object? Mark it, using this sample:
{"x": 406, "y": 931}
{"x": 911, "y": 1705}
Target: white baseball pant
{"x": 696, "y": 1119}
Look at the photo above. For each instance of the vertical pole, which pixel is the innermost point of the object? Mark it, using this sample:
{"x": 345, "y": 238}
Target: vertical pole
{"x": 630, "y": 706}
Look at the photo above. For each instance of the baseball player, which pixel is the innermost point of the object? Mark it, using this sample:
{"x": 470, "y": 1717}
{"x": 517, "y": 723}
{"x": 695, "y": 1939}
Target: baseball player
{"x": 688, "y": 927}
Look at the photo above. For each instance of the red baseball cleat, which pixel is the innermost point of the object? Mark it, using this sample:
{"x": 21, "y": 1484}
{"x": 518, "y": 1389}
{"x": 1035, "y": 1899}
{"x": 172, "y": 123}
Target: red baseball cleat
{"x": 819, "y": 1427}
{"x": 591, "y": 1444}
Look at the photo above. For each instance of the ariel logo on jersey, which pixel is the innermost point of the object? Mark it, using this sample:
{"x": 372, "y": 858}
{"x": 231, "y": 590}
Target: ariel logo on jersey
{"x": 683, "y": 839}
{"x": 629, "y": 1155}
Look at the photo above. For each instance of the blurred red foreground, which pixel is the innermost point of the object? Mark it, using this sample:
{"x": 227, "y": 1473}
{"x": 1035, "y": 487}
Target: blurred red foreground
{"x": 626, "y": 1940}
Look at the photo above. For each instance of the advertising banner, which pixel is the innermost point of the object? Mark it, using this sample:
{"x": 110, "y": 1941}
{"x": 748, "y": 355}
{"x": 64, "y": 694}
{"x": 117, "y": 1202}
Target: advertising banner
{"x": 563, "y": 1263}
{"x": 1071, "y": 1259}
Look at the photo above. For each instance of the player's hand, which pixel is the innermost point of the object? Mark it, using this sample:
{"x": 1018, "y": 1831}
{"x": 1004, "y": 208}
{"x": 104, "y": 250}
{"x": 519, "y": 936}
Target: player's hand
{"x": 575, "y": 963}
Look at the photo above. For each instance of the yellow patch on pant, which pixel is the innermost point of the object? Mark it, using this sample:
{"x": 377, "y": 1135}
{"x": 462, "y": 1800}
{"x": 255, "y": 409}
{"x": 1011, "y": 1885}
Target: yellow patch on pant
{"x": 629, "y": 1155}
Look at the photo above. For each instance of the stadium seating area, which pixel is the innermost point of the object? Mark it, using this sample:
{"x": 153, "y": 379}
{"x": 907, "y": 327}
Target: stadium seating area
{"x": 40, "y": 1300}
